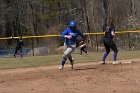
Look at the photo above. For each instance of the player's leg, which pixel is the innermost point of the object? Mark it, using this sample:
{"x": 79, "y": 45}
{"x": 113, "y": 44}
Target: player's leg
{"x": 81, "y": 50}
{"x": 63, "y": 58}
{"x": 107, "y": 48}
{"x": 62, "y": 63}
{"x": 16, "y": 50}
{"x": 21, "y": 54}
{"x": 85, "y": 49}
{"x": 69, "y": 55}
{"x": 115, "y": 50}
{"x": 71, "y": 61}
{"x": 66, "y": 55}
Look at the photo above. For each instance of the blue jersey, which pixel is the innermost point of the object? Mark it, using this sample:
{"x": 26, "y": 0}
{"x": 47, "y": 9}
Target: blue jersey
{"x": 74, "y": 33}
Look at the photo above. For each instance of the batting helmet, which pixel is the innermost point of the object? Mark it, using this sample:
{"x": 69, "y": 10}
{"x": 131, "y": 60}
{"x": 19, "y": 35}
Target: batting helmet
{"x": 72, "y": 23}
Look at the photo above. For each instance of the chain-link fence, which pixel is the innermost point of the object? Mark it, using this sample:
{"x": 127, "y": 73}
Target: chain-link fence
{"x": 41, "y": 46}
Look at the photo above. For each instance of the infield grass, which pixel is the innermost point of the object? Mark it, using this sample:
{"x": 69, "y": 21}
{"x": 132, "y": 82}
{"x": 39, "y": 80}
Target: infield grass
{"x": 34, "y": 61}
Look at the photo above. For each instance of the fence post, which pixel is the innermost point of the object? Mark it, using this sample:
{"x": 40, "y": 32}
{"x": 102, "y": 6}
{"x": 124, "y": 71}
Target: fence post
{"x": 96, "y": 42}
{"x": 33, "y": 46}
{"x": 129, "y": 45}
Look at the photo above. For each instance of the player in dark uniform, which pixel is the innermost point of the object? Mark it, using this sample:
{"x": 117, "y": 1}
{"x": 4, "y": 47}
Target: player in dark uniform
{"x": 83, "y": 47}
{"x": 19, "y": 45}
{"x": 70, "y": 36}
{"x": 109, "y": 30}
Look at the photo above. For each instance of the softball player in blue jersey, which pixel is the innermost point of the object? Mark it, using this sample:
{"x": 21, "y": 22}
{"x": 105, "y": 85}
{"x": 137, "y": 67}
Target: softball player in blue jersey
{"x": 109, "y": 30}
{"x": 70, "y": 36}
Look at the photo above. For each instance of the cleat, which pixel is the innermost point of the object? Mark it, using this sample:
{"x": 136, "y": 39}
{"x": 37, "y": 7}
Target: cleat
{"x": 60, "y": 67}
{"x": 103, "y": 62}
{"x": 71, "y": 65}
{"x": 116, "y": 62}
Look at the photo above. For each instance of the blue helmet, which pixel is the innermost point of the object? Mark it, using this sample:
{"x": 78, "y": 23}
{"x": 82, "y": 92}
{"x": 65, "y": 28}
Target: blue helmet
{"x": 72, "y": 23}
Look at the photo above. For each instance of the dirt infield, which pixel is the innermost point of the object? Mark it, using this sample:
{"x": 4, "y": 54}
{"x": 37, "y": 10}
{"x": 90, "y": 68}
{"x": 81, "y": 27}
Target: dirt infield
{"x": 84, "y": 78}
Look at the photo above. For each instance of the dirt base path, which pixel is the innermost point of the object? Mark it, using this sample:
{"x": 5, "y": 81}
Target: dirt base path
{"x": 84, "y": 78}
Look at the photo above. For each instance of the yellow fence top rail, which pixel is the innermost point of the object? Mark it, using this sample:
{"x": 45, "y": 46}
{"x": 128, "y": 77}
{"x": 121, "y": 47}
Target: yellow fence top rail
{"x": 46, "y": 36}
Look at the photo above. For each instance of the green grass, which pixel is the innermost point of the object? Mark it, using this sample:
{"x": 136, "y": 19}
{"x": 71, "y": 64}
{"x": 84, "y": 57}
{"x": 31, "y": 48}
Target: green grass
{"x": 34, "y": 61}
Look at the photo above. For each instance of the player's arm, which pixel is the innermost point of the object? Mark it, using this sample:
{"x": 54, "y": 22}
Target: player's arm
{"x": 81, "y": 42}
{"x": 68, "y": 36}
{"x": 65, "y": 34}
{"x": 83, "y": 37}
{"x": 104, "y": 28}
{"x": 113, "y": 31}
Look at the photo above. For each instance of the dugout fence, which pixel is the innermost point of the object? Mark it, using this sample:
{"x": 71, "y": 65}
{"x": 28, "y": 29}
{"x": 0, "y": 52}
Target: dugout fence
{"x": 52, "y": 44}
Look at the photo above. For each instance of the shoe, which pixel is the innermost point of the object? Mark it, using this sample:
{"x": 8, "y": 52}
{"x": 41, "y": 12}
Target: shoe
{"x": 60, "y": 67}
{"x": 103, "y": 62}
{"x": 116, "y": 62}
{"x": 72, "y": 63}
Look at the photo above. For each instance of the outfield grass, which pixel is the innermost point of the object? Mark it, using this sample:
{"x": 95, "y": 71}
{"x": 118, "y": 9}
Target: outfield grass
{"x": 33, "y": 61}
